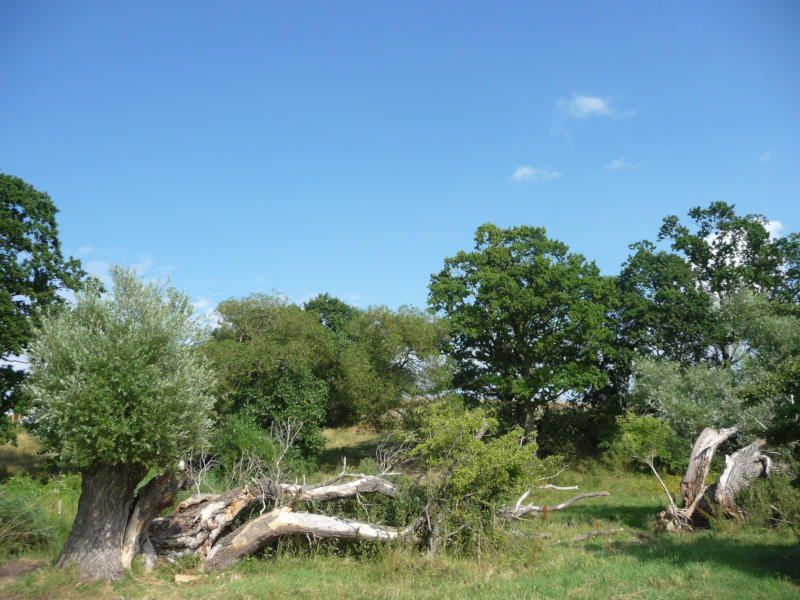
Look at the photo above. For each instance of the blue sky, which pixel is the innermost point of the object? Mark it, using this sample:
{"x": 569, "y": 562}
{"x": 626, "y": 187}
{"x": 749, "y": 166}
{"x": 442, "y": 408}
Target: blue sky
{"x": 350, "y": 147}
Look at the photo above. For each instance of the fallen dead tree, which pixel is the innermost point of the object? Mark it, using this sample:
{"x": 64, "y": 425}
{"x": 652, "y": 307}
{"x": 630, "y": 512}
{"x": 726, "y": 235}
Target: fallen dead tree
{"x": 700, "y": 501}
{"x": 203, "y": 524}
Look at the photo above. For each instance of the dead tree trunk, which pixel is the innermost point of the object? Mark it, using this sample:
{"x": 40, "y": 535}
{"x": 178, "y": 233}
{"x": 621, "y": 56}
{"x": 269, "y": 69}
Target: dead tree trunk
{"x": 158, "y": 494}
{"x": 257, "y": 533}
{"x": 201, "y": 524}
{"x": 741, "y": 468}
{"x": 701, "y": 501}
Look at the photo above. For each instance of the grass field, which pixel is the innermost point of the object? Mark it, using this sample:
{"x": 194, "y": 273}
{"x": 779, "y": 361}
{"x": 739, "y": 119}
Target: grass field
{"x": 537, "y": 561}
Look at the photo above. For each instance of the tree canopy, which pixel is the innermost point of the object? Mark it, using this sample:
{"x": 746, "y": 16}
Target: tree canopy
{"x": 529, "y": 320}
{"x": 117, "y": 380}
{"x": 32, "y": 271}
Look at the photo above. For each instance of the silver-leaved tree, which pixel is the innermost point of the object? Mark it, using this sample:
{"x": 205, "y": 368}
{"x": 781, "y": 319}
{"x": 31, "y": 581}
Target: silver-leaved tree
{"x": 117, "y": 387}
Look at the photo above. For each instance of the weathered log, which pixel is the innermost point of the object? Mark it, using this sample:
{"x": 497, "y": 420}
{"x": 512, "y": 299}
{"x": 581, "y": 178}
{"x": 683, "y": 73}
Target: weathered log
{"x": 519, "y": 510}
{"x": 257, "y": 533}
{"x": 158, "y": 494}
{"x": 199, "y": 521}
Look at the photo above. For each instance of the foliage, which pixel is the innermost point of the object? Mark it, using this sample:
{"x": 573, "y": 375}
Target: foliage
{"x": 469, "y": 472}
{"x": 24, "y": 525}
{"x": 117, "y": 380}
{"x": 393, "y": 362}
{"x": 773, "y": 370}
{"x": 333, "y": 313}
{"x": 687, "y": 399}
{"x": 529, "y": 321}
{"x": 671, "y": 299}
{"x": 290, "y": 395}
{"x": 369, "y": 362}
{"x": 772, "y": 501}
{"x": 643, "y": 437}
{"x": 274, "y": 361}
{"x": 31, "y": 512}
{"x": 32, "y": 271}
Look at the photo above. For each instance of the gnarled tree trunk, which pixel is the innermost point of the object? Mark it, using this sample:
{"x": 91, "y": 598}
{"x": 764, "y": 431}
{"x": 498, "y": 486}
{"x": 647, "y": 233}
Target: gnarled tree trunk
{"x": 699, "y": 500}
{"x": 94, "y": 545}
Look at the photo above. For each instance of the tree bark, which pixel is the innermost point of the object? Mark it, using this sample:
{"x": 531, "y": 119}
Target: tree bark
{"x": 741, "y": 468}
{"x": 700, "y": 462}
{"x": 94, "y": 545}
{"x": 155, "y": 496}
{"x": 257, "y": 533}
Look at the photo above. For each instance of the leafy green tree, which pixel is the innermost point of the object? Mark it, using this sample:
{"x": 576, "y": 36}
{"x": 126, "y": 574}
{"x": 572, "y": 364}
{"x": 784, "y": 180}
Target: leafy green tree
{"x": 332, "y": 312}
{"x": 529, "y": 321}
{"x": 671, "y": 298}
{"x": 772, "y": 370}
{"x": 394, "y": 362}
{"x": 275, "y": 362}
{"x": 117, "y": 386}
{"x": 32, "y": 271}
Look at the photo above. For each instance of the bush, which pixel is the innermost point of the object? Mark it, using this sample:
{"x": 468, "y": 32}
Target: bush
{"x": 772, "y": 502}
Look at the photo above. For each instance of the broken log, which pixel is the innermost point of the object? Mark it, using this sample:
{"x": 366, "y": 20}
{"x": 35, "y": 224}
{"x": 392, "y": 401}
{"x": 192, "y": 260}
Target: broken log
{"x": 741, "y": 468}
{"x": 259, "y": 532}
{"x": 519, "y": 510}
{"x": 199, "y": 521}
{"x": 700, "y": 461}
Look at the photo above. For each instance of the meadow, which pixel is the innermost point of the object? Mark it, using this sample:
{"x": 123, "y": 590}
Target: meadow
{"x": 536, "y": 558}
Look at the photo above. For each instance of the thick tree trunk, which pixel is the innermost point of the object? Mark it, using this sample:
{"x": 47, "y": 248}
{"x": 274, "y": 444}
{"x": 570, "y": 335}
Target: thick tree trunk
{"x": 94, "y": 545}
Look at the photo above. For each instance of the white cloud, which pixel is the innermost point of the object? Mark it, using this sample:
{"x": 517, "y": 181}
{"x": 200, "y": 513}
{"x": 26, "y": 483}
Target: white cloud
{"x": 621, "y": 164}
{"x": 764, "y": 157}
{"x": 528, "y": 173}
{"x": 581, "y": 106}
{"x": 773, "y": 228}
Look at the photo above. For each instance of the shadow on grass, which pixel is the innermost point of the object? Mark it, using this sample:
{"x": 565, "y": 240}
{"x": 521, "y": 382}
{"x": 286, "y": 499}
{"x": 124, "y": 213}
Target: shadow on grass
{"x": 753, "y": 557}
{"x": 331, "y": 458}
{"x": 635, "y": 516}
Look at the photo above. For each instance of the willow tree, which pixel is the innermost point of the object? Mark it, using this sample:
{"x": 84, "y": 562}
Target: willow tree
{"x": 117, "y": 387}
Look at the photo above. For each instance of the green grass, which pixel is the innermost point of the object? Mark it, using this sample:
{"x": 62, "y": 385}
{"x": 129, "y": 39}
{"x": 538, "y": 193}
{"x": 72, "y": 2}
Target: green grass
{"x": 734, "y": 561}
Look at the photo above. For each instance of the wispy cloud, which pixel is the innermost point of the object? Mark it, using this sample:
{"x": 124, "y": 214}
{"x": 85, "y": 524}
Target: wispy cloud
{"x": 764, "y": 158}
{"x": 527, "y": 173}
{"x": 622, "y": 164}
{"x": 581, "y": 106}
{"x": 561, "y": 133}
